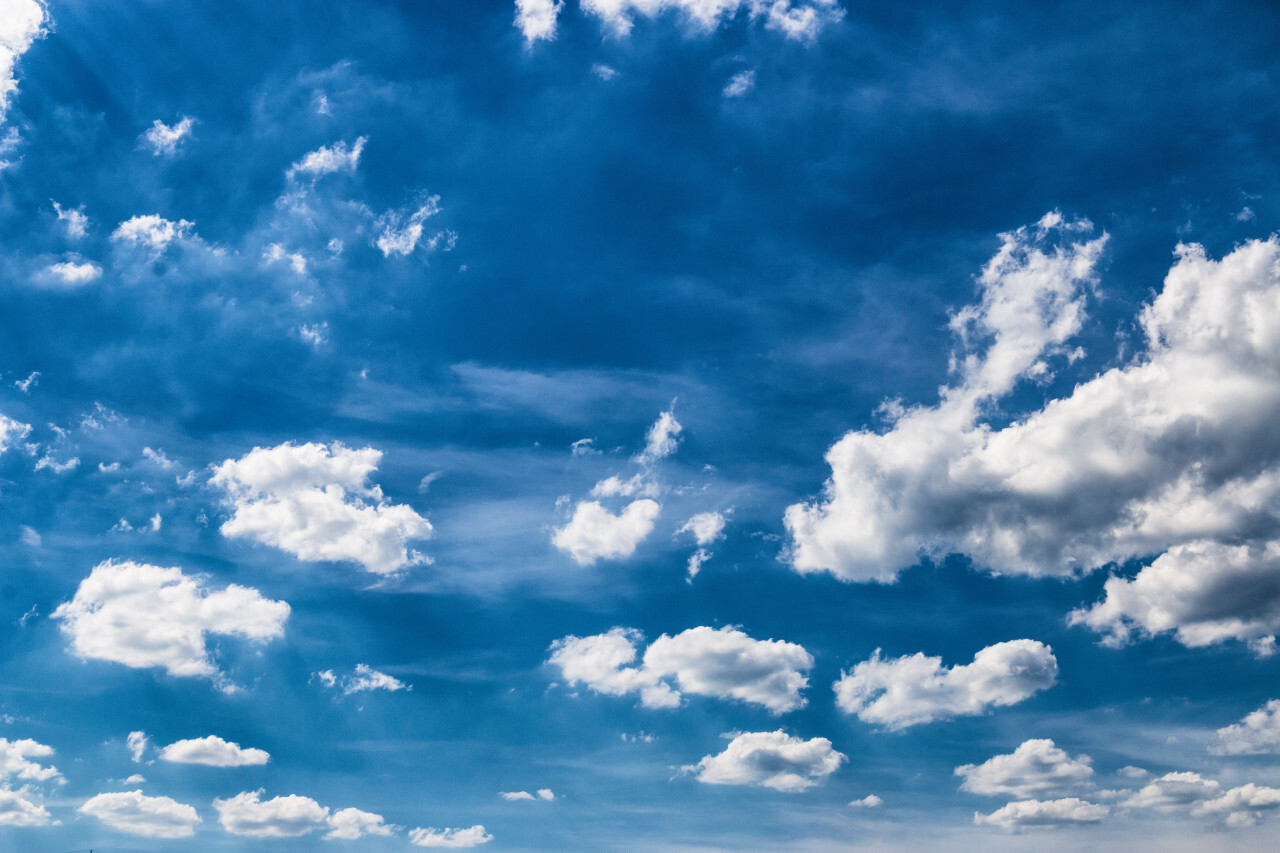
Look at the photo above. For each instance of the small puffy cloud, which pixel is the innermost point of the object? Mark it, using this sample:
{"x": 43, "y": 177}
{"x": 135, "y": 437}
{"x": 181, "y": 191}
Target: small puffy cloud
{"x": 316, "y": 334}
{"x": 431, "y": 837}
{"x": 584, "y": 447}
{"x": 1034, "y": 769}
{"x": 364, "y": 679}
{"x": 16, "y": 763}
{"x": 157, "y": 457}
{"x": 914, "y": 689}
{"x": 706, "y": 527}
{"x": 1174, "y": 791}
{"x": 740, "y": 83}
{"x": 137, "y": 814}
{"x": 694, "y": 566}
{"x": 11, "y": 432}
{"x": 213, "y": 751}
{"x": 515, "y": 795}
{"x": 135, "y": 779}
{"x": 1034, "y": 814}
{"x": 314, "y": 501}
{"x": 71, "y": 274}
{"x": 399, "y": 233}
{"x": 328, "y": 159}
{"x": 1257, "y": 734}
{"x": 138, "y": 744}
{"x": 724, "y": 663}
{"x": 350, "y": 824}
{"x": 604, "y": 72}
{"x": 275, "y": 253}
{"x": 662, "y": 440}
{"x": 293, "y": 816}
{"x": 162, "y": 139}
{"x": 25, "y": 385}
{"x": 151, "y": 231}
{"x": 17, "y": 810}
{"x": 870, "y": 801}
{"x": 536, "y": 19}
{"x": 1242, "y": 806}
{"x": 800, "y": 20}
{"x": 546, "y": 794}
{"x": 77, "y": 221}
{"x": 772, "y": 759}
{"x": 22, "y": 22}
{"x": 147, "y": 616}
{"x": 595, "y": 533}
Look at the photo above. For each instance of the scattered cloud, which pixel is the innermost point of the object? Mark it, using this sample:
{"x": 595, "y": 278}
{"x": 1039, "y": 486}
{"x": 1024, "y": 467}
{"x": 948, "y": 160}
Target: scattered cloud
{"x": 1035, "y": 814}
{"x": 213, "y": 751}
{"x": 21, "y": 24}
{"x": 914, "y": 689}
{"x": 363, "y": 680}
{"x": 11, "y": 432}
{"x": 870, "y": 801}
{"x": 1242, "y": 806}
{"x": 740, "y": 83}
{"x": 800, "y": 20}
{"x": 771, "y": 759}
{"x": 248, "y": 815}
{"x": 137, "y": 814}
{"x": 77, "y": 221}
{"x": 604, "y": 72}
{"x": 584, "y": 447}
{"x": 1036, "y": 768}
{"x": 401, "y": 232}
{"x": 431, "y": 837}
{"x": 17, "y": 810}
{"x": 1174, "y": 791}
{"x": 328, "y": 159}
{"x": 146, "y": 616}
{"x": 16, "y": 763}
{"x": 724, "y": 663}
{"x": 662, "y": 440}
{"x": 1257, "y": 734}
{"x": 706, "y": 527}
{"x": 536, "y": 19}
{"x": 594, "y": 533}
{"x": 163, "y": 140}
{"x": 25, "y": 385}
{"x": 71, "y": 274}
{"x": 275, "y": 253}
{"x": 314, "y": 501}
{"x": 138, "y": 745}
{"x": 152, "y": 231}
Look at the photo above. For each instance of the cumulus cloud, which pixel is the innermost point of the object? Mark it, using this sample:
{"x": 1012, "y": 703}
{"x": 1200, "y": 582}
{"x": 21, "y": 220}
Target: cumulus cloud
{"x": 662, "y": 440}
{"x": 594, "y": 533}
{"x": 772, "y": 759}
{"x": 11, "y": 432}
{"x": 724, "y": 663}
{"x": 17, "y": 810}
{"x": 16, "y": 763}
{"x": 77, "y": 223}
{"x": 870, "y": 801}
{"x": 162, "y": 139}
{"x": 138, "y": 744}
{"x": 329, "y": 159}
{"x": 137, "y": 814}
{"x": 213, "y": 751}
{"x": 1174, "y": 791}
{"x": 152, "y": 231}
{"x": 431, "y": 837}
{"x": 914, "y": 689}
{"x": 1029, "y": 814}
{"x": 314, "y": 501}
{"x": 364, "y": 679}
{"x": 22, "y": 22}
{"x": 706, "y": 527}
{"x": 293, "y": 816}
{"x": 1257, "y": 734}
{"x": 401, "y": 232}
{"x": 537, "y": 18}
{"x": 275, "y": 253}
{"x": 740, "y": 84}
{"x": 71, "y": 274}
{"x": 801, "y": 20}
{"x": 350, "y": 824}
{"x": 1242, "y": 806}
{"x": 1034, "y": 769}
{"x": 146, "y": 616}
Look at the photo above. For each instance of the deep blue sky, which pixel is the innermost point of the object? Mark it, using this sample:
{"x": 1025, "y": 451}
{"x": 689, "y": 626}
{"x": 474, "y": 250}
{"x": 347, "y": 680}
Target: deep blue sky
{"x": 766, "y": 239}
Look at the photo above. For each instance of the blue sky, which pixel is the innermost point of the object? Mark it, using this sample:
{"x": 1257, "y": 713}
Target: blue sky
{"x": 678, "y": 425}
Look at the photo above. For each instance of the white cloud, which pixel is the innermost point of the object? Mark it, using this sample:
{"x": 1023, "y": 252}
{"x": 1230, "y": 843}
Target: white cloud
{"x": 350, "y": 824}
{"x": 870, "y": 801}
{"x": 604, "y": 72}
{"x": 47, "y": 461}
{"x": 138, "y": 814}
{"x": 1242, "y": 806}
{"x": 1174, "y": 791}
{"x": 314, "y": 501}
{"x": 21, "y": 23}
{"x": 1034, "y": 769}
{"x": 914, "y": 689}
{"x": 11, "y": 432}
{"x": 1246, "y": 214}
{"x": 25, "y": 385}
{"x": 162, "y": 139}
{"x": 431, "y": 837}
{"x": 146, "y": 616}
{"x": 213, "y": 751}
{"x": 138, "y": 745}
{"x": 1029, "y": 814}
{"x": 152, "y": 231}
{"x": 740, "y": 84}
{"x": 17, "y": 810}
{"x": 801, "y": 20}
{"x": 29, "y": 537}
{"x": 326, "y": 160}
{"x": 275, "y": 253}
{"x": 584, "y": 447}
{"x": 135, "y": 779}
{"x": 515, "y": 795}
{"x": 594, "y": 532}
{"x": 537, "y": 18}
{"x": 1257, "y": 734}
{"x": 400, "y": 234}
{"x": 316, "y": 334}
{"x": 363, "y": 680}
{"x": 16, "y": 763}
{"x": 77, "y": 222}
{"x": 694, "y": 566}
{"x": 293, "y": 816}
{"x": 546, "y": 794}
{"x": 706, "y": 527}
{"x": 662, "y": 440}
{"x": 71, "y": 274}
{"x": 157, "y": 457}
{"x": 702, "y": 661}
{"x": 772, "y": 759}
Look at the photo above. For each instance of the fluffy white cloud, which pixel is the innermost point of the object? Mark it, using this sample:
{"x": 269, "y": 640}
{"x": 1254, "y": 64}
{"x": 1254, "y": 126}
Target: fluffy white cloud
{"x": 595, "y": 533}
{"x": 21, "y": 23}
{"x": 152, "y": 231}
{"x": 138, "y": 745}
{"x": 314, "y": 501}
{"x": 740, "y": 84}
{"x": 662, "y": 440}
{"x": 275, "y": 253}
{"x": 17, "y": 810}
{"x": 1029, "y": 814}
{"x": 706, "y": 527}
{"x": 772, "y": 759}
{"x": 364, "y": 679}
{"x": 213, "y": 751}
{"x": 350, "y": 824}
{"x": 400, "y": 233}
{"x": 1257, "y": 734}
{"x": 327, "y": 159}
{"x": 11, "y": 432}
{"x": 796, "y": 19}
{"x": 77, "y": 222}
{"x": 870, "y": 801}
{"x": 537, "y": 18}
{"x": 431, "y": 837}
{"x": 160, "y": 138}
{"x": 16, "y": 763}
{"x": 292, "y": 816}
{"x": 702, "y": 661}
{"x": 1173, "y": 454}
{"x": 138, "y": 814}
{"x": 144, "y": 616}
{"x": 71, "y": 274}
{"x": 1242, "y": 806}
{"x": 1034, "y": 769}
{"x": 1174, "y": 791}
{"x": 914, "y": 689}
{"x": 515, "y": 795}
